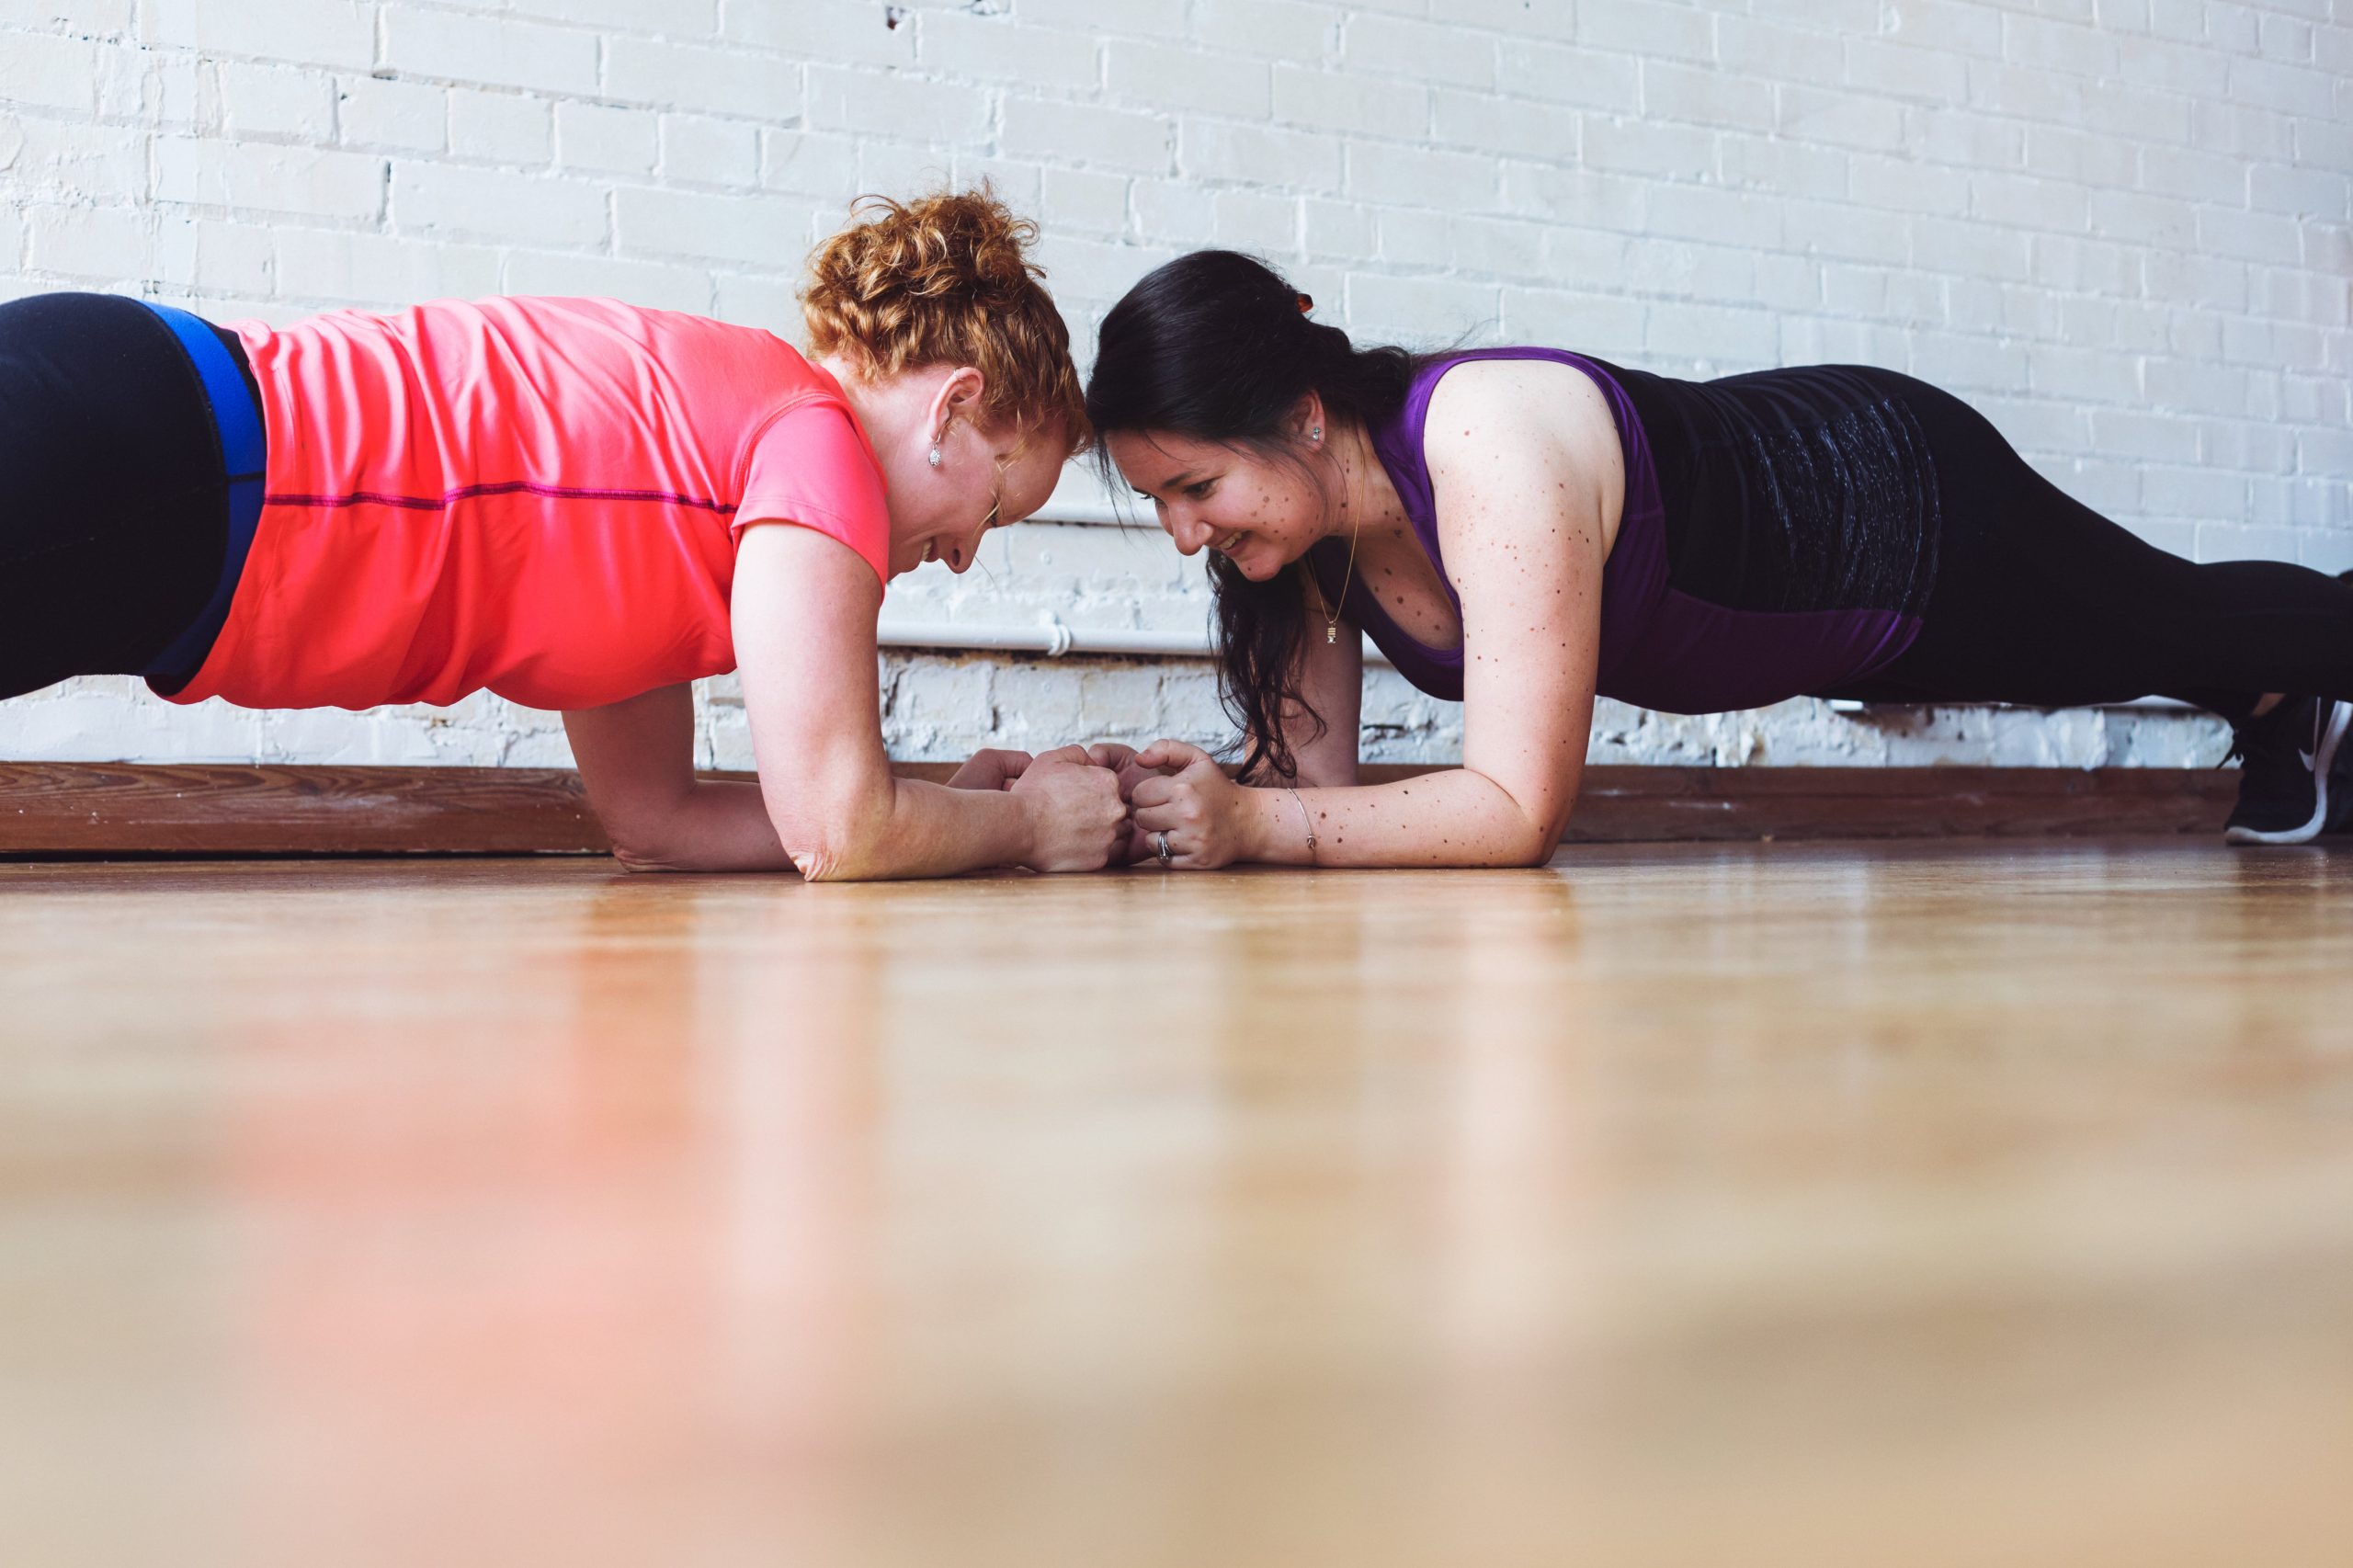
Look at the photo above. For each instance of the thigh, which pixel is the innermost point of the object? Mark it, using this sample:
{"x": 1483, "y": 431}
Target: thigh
{"x": 2040, "y": 599}
{"x": 113, "y": 507}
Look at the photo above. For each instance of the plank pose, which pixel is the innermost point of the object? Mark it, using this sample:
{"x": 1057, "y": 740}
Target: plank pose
{"x": 1521, "y": 529}
{"x": 575, "y": 505}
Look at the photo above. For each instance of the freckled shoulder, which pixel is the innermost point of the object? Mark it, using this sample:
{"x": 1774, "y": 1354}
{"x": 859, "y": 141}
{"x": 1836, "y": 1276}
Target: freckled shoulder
{"x": 1495, "y": 421}
{"x": 1490, "y": 407}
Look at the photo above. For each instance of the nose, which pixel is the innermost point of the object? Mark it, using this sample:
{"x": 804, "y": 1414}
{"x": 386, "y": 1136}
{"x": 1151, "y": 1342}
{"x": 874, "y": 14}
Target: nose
{"x": 1191, "y": 533}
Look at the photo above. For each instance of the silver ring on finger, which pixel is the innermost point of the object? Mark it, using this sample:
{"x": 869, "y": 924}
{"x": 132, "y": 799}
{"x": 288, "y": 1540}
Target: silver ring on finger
{"x": 1160, "y": 849}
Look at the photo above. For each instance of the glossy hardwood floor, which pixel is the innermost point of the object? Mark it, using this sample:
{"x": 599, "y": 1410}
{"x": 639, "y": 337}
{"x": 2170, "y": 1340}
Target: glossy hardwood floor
{"x": 1886, "y": 1205}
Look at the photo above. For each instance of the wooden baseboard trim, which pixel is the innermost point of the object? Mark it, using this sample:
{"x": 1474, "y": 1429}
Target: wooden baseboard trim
{"x": 53, "y": 810}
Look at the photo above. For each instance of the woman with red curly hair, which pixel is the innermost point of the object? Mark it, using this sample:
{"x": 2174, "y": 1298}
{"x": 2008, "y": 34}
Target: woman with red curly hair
{"x": 577, "y": 505}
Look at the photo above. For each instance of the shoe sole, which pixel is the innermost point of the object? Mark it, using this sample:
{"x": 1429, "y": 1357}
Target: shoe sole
{"x": 2339, "y": 716}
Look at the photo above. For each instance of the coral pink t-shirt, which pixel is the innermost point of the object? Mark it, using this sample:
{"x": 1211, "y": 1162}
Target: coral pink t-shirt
{"x": 539, "y": 497}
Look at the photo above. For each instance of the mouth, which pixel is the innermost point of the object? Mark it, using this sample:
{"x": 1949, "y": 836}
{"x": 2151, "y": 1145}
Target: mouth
{"x": 1224, "y": 544}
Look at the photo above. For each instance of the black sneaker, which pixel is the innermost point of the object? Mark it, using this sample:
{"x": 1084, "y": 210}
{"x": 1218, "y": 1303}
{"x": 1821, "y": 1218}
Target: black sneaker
{"x": 2285, "y": 759}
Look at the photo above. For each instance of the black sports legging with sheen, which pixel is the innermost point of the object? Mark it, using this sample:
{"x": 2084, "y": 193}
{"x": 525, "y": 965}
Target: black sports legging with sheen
{"x": 114, "y": 510}
{"x": 2023, "y": 594}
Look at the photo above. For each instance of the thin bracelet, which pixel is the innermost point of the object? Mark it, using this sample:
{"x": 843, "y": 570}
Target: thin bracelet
{"x": 1309, "y": 817}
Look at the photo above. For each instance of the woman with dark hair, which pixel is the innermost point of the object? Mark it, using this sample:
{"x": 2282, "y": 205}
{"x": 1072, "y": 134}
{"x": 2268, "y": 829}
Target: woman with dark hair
{"x": 1521, "y": 529}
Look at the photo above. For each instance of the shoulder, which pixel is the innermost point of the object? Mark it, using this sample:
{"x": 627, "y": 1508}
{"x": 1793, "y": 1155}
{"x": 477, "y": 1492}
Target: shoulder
{"x": 1496, "y": 426}
{"x": 1539, "y": 409}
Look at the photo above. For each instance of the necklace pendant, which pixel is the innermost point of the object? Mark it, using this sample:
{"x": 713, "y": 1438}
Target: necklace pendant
{"x": 1331, "y": 634}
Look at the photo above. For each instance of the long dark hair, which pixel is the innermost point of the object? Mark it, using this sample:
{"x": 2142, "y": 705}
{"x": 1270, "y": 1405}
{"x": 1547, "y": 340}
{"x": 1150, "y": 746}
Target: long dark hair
{"x": 1217, "y": 346}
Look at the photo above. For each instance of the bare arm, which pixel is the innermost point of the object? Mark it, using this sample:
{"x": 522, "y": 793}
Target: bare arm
{"x": 1331, "y": 680}
{"x": 803, "y": 609}
{"x": 636, "y": 760}
{"x": 1522, "y": 493}
{"x": 826, "y": 803}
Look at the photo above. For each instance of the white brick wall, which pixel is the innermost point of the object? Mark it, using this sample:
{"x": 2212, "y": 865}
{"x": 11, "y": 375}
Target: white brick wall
{"x": 2123, "y": 227}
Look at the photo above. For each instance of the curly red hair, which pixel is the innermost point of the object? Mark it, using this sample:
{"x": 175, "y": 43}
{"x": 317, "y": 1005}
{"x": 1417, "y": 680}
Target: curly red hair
{"x": 947, "y": 279}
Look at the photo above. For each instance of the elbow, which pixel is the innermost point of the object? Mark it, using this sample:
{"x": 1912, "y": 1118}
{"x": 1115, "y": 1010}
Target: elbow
{"x": 843, "y": 840}
{"x": 638, "y": 849}
{"x": 1534, "y": 842}
{"x": 1534, "y": 849}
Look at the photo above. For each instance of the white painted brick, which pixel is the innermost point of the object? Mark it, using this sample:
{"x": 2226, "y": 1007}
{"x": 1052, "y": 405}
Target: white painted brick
{"x": 1635, "y": 147}
{"x": 1647, "y": 28}
{"x": 716, "y": 81}
{"x": 1215, "y": 150}
{"x": 1086, "y": 201}
{"x": 1483, "y": 122}
{"x": 997, "y": 47}
{"x": 814, "y": 165}
{"x": 75, "y": 161}
{"x": 881, "y": 105}
{"x": 502, "y": 127}
{"x": 313, "y": 32}
{"x": 701, "y": 150}
{"x": 1840, "y": 120}
{"x": 1899, "y": 72}
{"x": 261, "y": 177}
{"x": 403, "y": 117}
{"x": 1281, "y": 29}
{"x": 1110, "y": 19}
{"x": 753, "y": 229}
{"x": 1137, "y": 71}
{"x": 441, "y": 198}
{"x": 652, "y": 284}
{"x": 333, "y": 267}
{"x": 2025, "y": 202}
{"x": 271, "y": 100}
{"x": 1425, "y": 52}
{"x": 216, "y": 260}
{"x": 1423, "y": 177}
{"x": 598, "y": 136}
{"x": 1586, "y": 78}
{"x": 1081, "y": 133}
{"x": 1690, "y": 96}
{"x": 671, "y": 19}
{"x": 44, "y": 71}
{"x": 849, "y": 33}
{"x": 1421, "y": 309}
{"x": 94, "y": 243}
{"x": 454, "y": 46}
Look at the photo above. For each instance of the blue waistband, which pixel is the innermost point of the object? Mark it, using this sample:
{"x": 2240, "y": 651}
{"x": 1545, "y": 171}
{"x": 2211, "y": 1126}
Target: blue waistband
{"x": 244, "y": 455}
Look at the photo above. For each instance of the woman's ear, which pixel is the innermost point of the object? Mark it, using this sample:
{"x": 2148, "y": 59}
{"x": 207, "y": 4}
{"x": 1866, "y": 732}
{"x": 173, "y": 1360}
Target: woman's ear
{"x": 958, "y": 396}
{"x": 1305, "y": 421}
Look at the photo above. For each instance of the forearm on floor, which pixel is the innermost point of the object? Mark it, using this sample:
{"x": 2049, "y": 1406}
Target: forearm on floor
{"x": 1452, "y": 818}
{"x": 910, "y": 829}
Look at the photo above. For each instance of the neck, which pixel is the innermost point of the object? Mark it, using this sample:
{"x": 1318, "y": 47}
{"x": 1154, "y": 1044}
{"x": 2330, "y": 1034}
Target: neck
{"x": 1368, "y": 508}
{"x": 867, "y": 401}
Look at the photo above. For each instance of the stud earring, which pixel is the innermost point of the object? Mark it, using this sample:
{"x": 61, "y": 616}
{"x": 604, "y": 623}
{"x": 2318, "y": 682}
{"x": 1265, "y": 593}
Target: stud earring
{"x": 1316, "y": 431}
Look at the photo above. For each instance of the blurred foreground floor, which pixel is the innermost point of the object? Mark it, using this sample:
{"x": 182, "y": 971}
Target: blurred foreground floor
{"x": 1909, "y": 1204}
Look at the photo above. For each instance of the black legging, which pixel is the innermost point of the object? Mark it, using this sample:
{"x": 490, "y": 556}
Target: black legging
{"x": 114, "y": 512}
{"x": 2040, "y": 600}
{"x": 1840, "y": 487}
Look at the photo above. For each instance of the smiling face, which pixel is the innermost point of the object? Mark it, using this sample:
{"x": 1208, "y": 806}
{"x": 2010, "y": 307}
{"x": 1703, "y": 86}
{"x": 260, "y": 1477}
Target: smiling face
{"x": 986, "y": 477}
{"x": 1261, "y": 511}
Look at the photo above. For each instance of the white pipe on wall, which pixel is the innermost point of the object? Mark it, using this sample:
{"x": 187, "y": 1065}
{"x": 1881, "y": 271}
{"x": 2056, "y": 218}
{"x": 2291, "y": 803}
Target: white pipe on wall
{"x": 1053, "y": 639}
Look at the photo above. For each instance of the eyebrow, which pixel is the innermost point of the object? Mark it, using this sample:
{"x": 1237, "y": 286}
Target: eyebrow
{"x": 1176, "y": 482}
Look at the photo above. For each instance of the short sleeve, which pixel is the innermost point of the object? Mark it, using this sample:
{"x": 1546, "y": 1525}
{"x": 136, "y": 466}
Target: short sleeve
{"x": 812, "y": 466}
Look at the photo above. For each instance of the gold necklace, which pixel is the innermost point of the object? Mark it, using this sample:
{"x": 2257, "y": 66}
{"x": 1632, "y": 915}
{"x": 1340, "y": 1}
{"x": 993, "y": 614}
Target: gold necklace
{"x": 1331, "y": 615}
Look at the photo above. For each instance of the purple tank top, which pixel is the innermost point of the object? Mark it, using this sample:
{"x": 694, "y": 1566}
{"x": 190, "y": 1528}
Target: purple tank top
{"x": 1661, "y": 648}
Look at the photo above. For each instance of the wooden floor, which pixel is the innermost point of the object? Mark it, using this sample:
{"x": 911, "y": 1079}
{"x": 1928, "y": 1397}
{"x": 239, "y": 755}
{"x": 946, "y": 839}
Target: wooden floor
{"x": 1892, "y": 1205}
